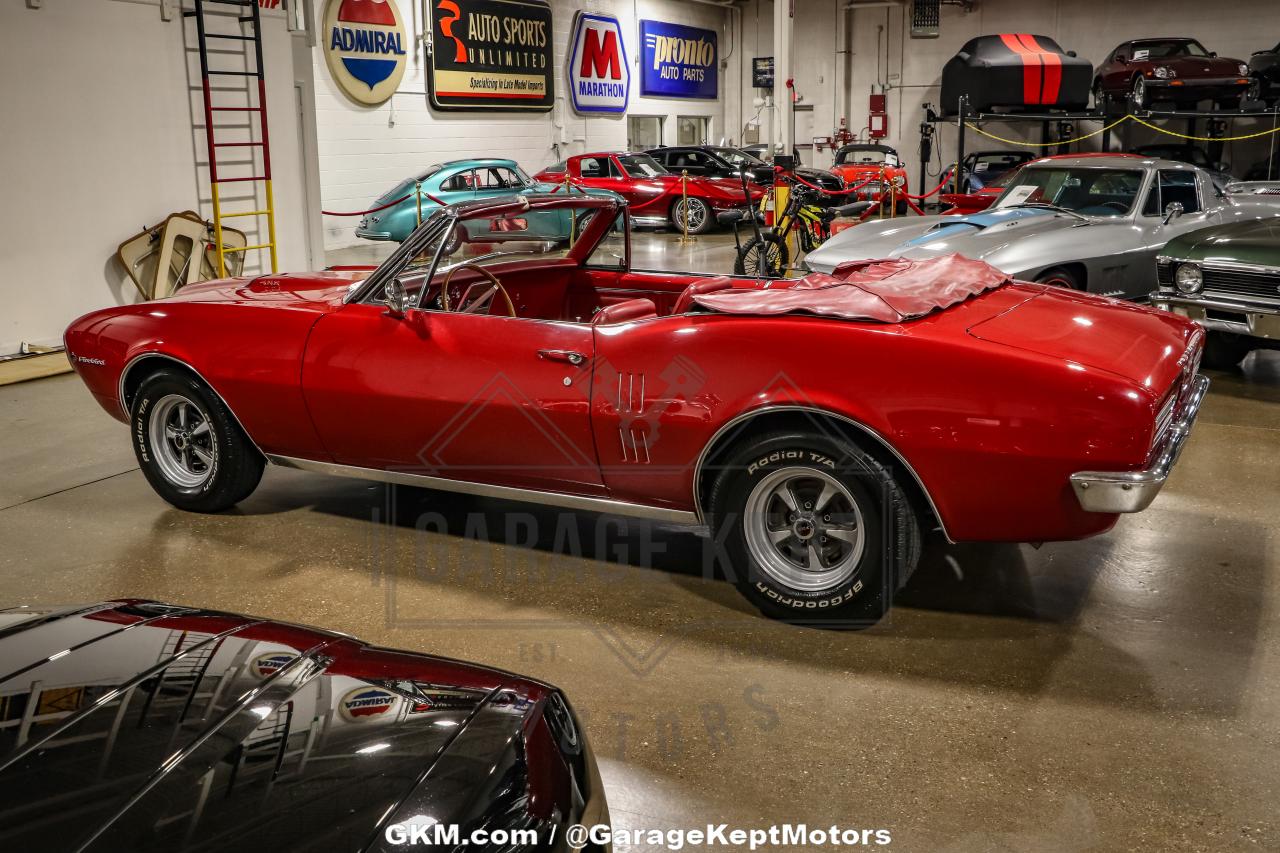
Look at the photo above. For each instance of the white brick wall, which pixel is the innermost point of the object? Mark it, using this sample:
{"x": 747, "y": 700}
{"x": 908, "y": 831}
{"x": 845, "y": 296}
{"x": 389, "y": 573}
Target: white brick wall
{"x": 101, "y": 133}
{"x": 365, "y": 151}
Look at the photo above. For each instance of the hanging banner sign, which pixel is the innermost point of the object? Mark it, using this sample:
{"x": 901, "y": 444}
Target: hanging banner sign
{"x": 678, "y": 61}
{"x": 491, "y": 55}
{"x": 365, "y": 48}
{"x": 599, "y": 77}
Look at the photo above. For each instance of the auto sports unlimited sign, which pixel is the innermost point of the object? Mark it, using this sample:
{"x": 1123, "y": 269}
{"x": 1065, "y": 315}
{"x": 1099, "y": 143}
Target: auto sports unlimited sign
{"x": 678, "y": 61}
{"x": 599, "y": 77}
{"x": 491, "y": 55}
{"x": 365, "y": 48}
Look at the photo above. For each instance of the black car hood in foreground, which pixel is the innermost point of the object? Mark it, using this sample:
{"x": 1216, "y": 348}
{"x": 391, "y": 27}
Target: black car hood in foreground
{"x": 132, "y": 725}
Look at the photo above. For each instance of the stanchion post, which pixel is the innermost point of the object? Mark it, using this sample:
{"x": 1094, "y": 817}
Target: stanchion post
{"x": 685, "y": 239}
{"x": 418, "y": 192}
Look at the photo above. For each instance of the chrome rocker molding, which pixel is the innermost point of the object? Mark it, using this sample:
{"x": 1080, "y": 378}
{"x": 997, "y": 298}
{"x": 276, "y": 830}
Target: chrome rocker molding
{"x": 484, "y": 490}
{"x": 810, "y": 410}
{"x": 1133, "y": 491}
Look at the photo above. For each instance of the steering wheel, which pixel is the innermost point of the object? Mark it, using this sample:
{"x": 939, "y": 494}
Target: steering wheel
{"x": 472, "y": 305}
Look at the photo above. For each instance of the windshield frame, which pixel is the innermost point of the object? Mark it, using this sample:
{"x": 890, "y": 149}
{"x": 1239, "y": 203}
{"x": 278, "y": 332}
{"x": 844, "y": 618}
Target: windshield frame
{"x": 1022, "y": 171}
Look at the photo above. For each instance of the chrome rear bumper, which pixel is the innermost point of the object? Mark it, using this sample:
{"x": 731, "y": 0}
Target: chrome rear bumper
{"x": 1133, "y": 491}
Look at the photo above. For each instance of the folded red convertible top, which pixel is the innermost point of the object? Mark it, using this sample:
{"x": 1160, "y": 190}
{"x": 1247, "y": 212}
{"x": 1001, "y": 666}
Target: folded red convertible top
{"x": 883, "y": 291}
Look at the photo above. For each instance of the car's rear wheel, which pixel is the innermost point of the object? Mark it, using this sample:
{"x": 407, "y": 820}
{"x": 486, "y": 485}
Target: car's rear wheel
{"x": 1100, "y": 99}
{"x": 190, "y": 448}
{"x": 804, "y": 514}
{"x": 696, "y": 211}
{"x": 1225, "y": 350}
{"x": 1061, "y": 277}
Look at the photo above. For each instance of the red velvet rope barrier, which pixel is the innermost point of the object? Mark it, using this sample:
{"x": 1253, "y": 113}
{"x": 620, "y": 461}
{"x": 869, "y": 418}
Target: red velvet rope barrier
{"x": 946, "y": 176}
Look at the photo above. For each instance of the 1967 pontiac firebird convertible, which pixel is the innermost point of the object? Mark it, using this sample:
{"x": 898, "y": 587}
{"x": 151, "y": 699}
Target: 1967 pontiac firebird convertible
{"x": 817, "y": 427}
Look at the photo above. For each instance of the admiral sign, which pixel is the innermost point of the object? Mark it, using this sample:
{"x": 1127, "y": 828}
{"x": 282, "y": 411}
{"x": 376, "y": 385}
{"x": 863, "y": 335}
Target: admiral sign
{"x": 491, "y": 55}
{"x": 599, "y": 77}
{"x": 365, "y": 48}
{"x": 678, "y": 61}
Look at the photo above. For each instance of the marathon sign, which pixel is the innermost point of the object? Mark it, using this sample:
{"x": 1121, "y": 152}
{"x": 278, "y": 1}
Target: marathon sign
{"x": 678, "y": 61}
{"x": 491, "y": 55}
{"x": 599, "y": 77}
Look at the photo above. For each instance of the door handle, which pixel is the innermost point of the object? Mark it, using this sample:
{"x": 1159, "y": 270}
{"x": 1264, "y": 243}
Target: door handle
{"x": 562, "y": 355}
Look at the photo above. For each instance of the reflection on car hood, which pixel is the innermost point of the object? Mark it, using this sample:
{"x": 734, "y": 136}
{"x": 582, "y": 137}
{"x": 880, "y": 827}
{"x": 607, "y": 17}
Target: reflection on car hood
{"x": 132, "y": 725}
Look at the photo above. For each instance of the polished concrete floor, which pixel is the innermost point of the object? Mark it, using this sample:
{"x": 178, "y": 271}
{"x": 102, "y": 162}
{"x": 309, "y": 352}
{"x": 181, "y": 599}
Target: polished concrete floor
{"x": 1117, "y": 694}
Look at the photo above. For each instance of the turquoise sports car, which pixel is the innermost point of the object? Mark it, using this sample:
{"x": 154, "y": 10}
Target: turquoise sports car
{"x": 444, "y": 184}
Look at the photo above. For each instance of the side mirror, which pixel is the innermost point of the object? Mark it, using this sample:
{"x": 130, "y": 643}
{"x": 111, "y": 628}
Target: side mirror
{"x": 1222, "y": 166}
{"x": 397, "y": 301}
{"x": 1172, "y": 211}
{"x": 1123, "y": 60}
{"x": 1071, "y": 53}
{"x": 1214, "y": 54}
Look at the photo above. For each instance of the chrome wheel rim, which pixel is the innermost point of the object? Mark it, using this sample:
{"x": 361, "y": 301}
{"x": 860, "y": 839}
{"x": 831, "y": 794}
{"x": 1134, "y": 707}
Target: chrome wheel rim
{"x": 182, "y": 441}
{"x": 804, "y": 529}
{"x": 1139, "y": 92}
{"x": 692, "y": 214}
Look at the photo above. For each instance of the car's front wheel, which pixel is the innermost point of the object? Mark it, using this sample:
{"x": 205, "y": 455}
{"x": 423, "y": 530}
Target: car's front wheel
{"x": 1225, "y": 350}
{"x": 189, "y": 446}
{"x": 1138, "y": 95}
{"x": 805, "y": 542}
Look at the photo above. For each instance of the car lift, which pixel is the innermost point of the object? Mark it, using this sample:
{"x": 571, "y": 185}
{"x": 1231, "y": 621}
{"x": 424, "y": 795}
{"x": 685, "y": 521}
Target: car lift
{"x": 1059, "y": 127}
{"x": 203, "y": 37}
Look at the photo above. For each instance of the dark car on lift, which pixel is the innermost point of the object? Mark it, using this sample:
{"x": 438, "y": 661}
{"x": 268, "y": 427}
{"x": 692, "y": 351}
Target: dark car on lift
{"x": 1193, "y": 154}
{"x": 717, "y": 161}
{"x": 138, "y": 726}
{"x": 1264, "y": 76}
{"x": 1143, "y": 72}
{"x": 1016, "y": 72}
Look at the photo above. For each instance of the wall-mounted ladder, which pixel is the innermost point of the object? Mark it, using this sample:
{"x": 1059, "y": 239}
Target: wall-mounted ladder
{"x": 210, "y": 110}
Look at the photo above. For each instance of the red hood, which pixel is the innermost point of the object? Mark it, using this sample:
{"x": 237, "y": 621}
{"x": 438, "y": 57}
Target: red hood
{"x": 317, "y": 290}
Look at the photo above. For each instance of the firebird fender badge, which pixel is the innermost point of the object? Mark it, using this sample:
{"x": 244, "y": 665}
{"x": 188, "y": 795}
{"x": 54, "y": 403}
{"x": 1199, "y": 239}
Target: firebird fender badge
{"x": 84, "y": 359}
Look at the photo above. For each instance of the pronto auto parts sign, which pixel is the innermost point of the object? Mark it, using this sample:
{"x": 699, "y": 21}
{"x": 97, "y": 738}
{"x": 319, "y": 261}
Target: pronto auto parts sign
{"x": 599, "y": 77}
{"x": 491, "y": 55}
{"x": 365, "y": 48}
{"x": 678, "y": 61}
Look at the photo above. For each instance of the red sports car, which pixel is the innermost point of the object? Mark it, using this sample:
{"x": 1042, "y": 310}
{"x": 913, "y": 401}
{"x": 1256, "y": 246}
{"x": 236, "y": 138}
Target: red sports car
{"x": 875, "y": 167}
{"x": 656, "y": 196}
{"x": 818, "y": 426}
{"x": 1178, "y": 70}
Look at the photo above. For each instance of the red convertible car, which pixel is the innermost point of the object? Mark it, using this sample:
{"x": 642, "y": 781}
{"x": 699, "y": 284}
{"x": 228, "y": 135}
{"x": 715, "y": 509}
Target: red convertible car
{"x": 655, "y": 195}
{"x": 817, "y": 427}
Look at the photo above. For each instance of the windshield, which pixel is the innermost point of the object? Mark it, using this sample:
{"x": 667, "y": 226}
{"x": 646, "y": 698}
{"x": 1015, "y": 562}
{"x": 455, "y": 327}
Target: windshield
{"x": 1089, "y": 192}
{"x": 850, "y": 156}
{"x": 641, "y": 166}
{"x": 432, "y": 253}
{"x": 739, "y": 158}
{"x": 1167, "y": 49}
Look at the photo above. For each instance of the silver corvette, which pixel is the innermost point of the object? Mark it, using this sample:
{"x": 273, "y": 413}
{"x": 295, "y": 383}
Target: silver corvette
{"x": 1092, "y": 223}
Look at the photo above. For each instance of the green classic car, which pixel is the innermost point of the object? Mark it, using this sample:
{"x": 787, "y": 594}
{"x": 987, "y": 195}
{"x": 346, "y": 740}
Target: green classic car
{"x": 1227, "y": 278}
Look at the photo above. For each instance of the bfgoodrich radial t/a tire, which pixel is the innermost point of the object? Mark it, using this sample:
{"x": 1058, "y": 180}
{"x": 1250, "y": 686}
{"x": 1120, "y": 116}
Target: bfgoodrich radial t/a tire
{"x": 190, "y": 448}
{"x": 805, "y": 533}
